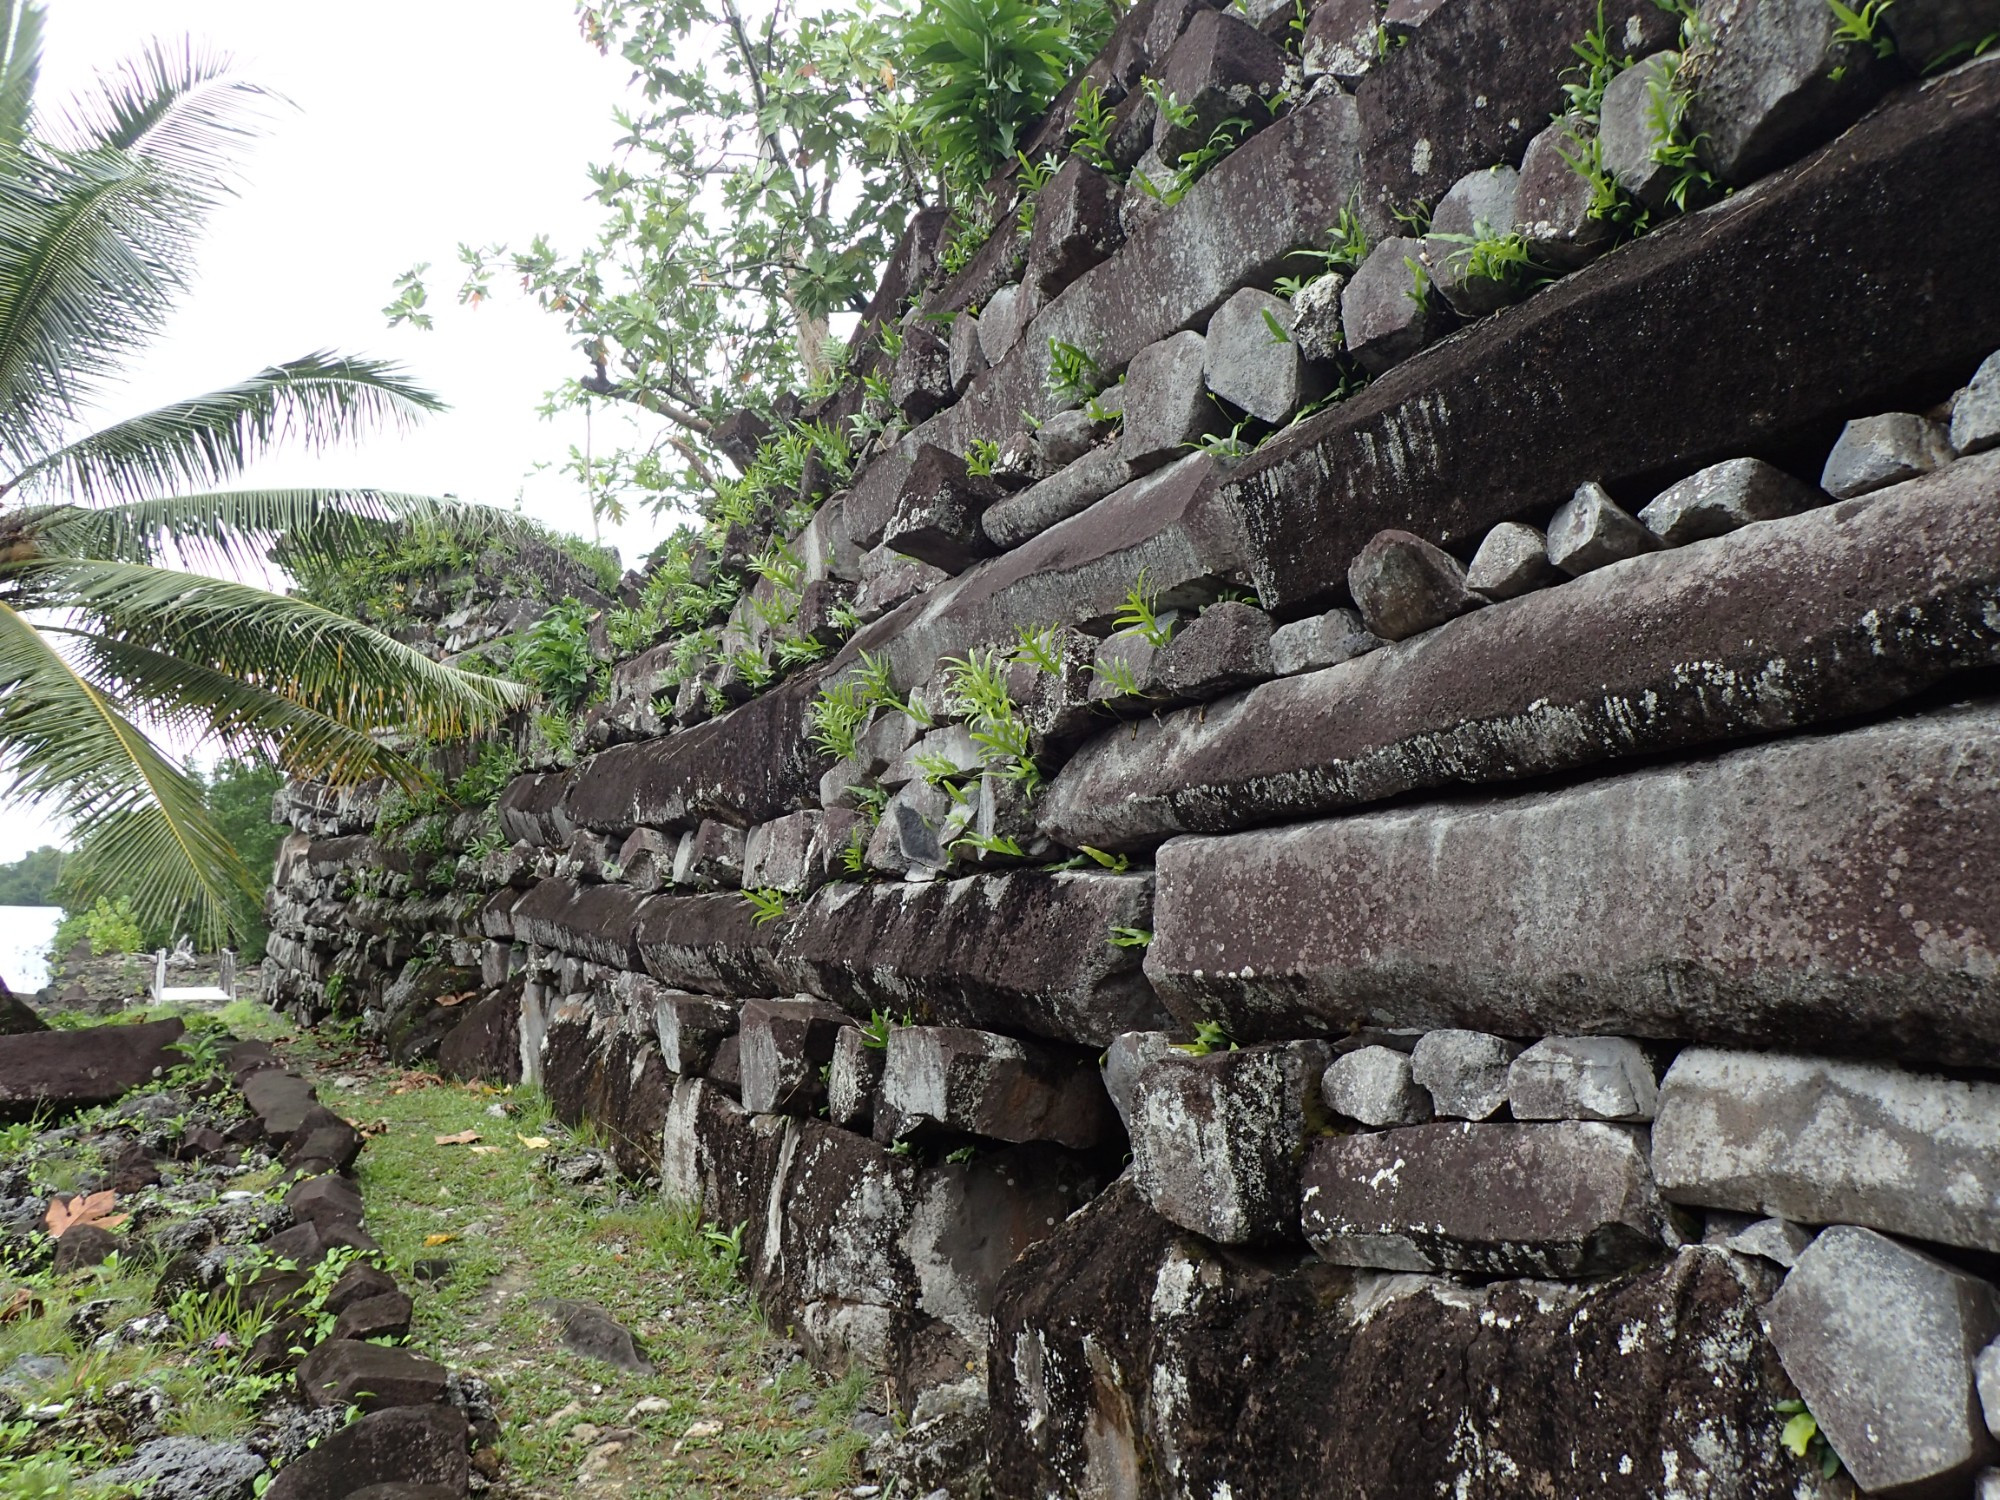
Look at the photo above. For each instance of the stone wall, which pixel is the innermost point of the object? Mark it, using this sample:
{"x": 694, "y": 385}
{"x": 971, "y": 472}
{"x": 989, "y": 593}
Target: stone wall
{"x": 1407, "y": 902}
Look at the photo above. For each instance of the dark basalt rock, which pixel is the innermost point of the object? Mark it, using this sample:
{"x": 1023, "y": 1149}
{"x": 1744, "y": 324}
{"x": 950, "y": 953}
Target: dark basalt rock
{"x": 711, "y": 944}
{"x": 1076, "y": 225}
{"x": 59, "y": 1070}
{"x": 342, "y": 1372}
{"x": 407, "y": 1445}
{"x": 594, "y": 922}
{"x": 486, "y": 1044}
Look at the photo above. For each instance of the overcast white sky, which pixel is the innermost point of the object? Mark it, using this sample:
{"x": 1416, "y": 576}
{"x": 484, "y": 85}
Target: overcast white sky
{"x": 418, "y": 124}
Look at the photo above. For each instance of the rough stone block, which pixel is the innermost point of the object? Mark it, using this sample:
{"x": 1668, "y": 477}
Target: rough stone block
{"x": 1568, "y": 1199}
{"x": 968, "y": 359}
{"x": 690, "y": 1028}
{"x": 1011, "y": 520}
{"x": 713, "y": 945}
{"x": 1552, "y": 199}
{"x": 1465, "y": 1072}
{"x": 1065, "y": 437}
{"x": 1221, "y": 68}
{"x": 646, "y": 859}
{"x": 996, "y": 1086}
{"x": 1583, "y": 1078}
{"x": 1217, "y": 1140}
{"x": 1975, "y": 415}
{"x": 1252, "y": 361}
{"x": 1166, "y": 403}
{"x": 1340, "y": 39}
{"x": 1880, "y": 1341}
{"x": 784, "y": 1045}
{"x": 1024, "y": 952}
{"x": 854, "y": 1079}
{"x": 1480, "y": 205}
{"x": 1318, "y": 641}
{"x": 1728, "y": 900}
{"x": 1316, "y": 326}
{"x": 1775, "y": 81}
{"x": 937, "y": 513}
{"x": 1076, "y": 225}
{"x": 798, "y": 853}
{"x": 409, "y": 1445}
{"x": 999, "y": 329}
{"x": 61, "y": 1070}
{"x": 1807, "y": 1138}
{"x": 889, "y": 579}
{"x": 1640, "y": 112}
{"x": 1512, "y": 560}
{"x": 1373, "y": 1085}
{"x": 1225, "y": 649}
{"x": 1404, "y": 585}
{"x": 712, "y": 858}
{"x": 1386, "y": 311}
{"x": 1724, "y": 496}
{"x": 1876, "y": 452}
{"x": 1778, "y": 1240}
{"x": 917, "y": 823}
{"x": 1592, "y": 532}
{"x": 342, "y": 1373}
{"x": 590, "y": 922}
{"x": 920, "y": 378}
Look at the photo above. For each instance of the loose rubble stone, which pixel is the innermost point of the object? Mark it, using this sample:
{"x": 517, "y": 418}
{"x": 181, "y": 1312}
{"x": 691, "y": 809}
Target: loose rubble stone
{"x": 1553, "y": 200}
{"x": 1778, "y": 1240}
{"x": 1166, "y": 402}
{"x": 915, "y": 828}
{"x": 179, "y": 1468}
{"x": 854, "y": 1079}
{"x": 1808, "y": 1138}
{"x": 1975, "y": 415}
{"x": 1373, "y": 1085}
{"x": 60, "y": 1070}
{"x": 1750, "y": 906}
{"x": 1221, "y": 68}
{"x": 1225, "y": 649}
{"x": 1875, "y": 452}
{"x": 1252, "y": 361}
{"x": 1775, "y": 81}
{"x": 1582, "y": 1078}
{"x": 936, "y": 519}
{"x": 1512, "y": 560}
{"x": 1724, "y": 496}
{"x": 1569, "y": 1199}
{"x": 1465, "y": 1072}
{"x": 1592, "y": 531}
{"x": 1480, "y": 206}
{"x": 344, "y": 1373}
{"x": 589, "y": 1330}
{"x": 995, "y": 1086}
{"x": 1315, "y": 323}
{"x": 690, "y": 1028}
{"x": 785, "y": 1043}
{"x": 1640, "y": 113}
{"x": 1217, "y": 1140}
{"x": 1880, "y": 1341}
{"x": 1320, "y": 641}
{"x": 409, "y": 1445}
{"x": 1386, "y": 314}
{"x": 1404, "y": 585}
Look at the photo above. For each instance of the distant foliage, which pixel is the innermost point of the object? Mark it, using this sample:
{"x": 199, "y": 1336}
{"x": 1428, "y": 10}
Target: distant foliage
{"x": 554, "y": 657}
{"x": 31, "y": 879}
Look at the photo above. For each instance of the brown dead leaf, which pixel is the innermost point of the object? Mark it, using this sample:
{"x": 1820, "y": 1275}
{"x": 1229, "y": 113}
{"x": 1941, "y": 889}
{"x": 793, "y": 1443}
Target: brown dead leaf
{"x": 431, "y": 1240}
{"x": 450, "y": 1000}
{"x": 486, "y": 1150}
{"x": 66, "y": 1213}
{"x": 23, "y": 1304}
{"x": 457, "y": 1138}
{"x": 372, "y": 1129}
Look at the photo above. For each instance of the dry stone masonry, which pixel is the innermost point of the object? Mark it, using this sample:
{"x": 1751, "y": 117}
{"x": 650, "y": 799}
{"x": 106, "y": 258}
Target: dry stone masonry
{"x": 1361, "y": 855}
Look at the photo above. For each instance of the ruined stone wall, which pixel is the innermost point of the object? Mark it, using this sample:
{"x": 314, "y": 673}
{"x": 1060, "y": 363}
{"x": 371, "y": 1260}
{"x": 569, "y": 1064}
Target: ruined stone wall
{"x": 1412, "y": 909}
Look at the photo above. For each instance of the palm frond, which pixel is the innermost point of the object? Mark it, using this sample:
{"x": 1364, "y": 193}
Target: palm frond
{"x": 172, "y": 105}
{"x": 20, "y": 68}
{"x": 71, "y": 747}
{"x": 311, "y": 656}
{"x": 237, "y": 527}
{"x": 317, "y": 400}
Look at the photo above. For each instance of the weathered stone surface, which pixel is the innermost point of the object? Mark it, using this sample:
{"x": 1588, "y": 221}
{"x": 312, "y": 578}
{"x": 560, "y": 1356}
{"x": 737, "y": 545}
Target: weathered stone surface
{"x": 722, "y": 1157}
{"x": 1341, "y": 39}
{"x": 1373, "y": 1085}
{"x": 1975, "y": 415}
{"x": 1724, "y": 496}
{"x": 1012, "y": 520}
{"x": 1217, "y": 1140}
{"x": 798, "y": 853}
{"x": 1826, "y": 1141}
{"x": 383, "y": 1317}
{"x": 280, "y": 1100}
{"x": 713, "y": 945}
{"x": 530, "y": 809}
{"x": 999, "y": 329}
{"x": 1027, "y": 952}
{"x": 593, "y": 922}
{"x": 1227, "y": 648}
{"x": 1880, "y": 1340}
{"x": 916, "y": 824}
{"x": 413, "y": 1445}
{"x": 690, "y": 1028}
{"x": 1318, "y": 641}
{"x": 1252, "y": 361}
{"x": 1166, "y": 402}
{"x": 1076, "y": 225}
{"x": 342, "y": 1372}
{"x": 587, "y": 1329}
{"x": 785, "y": 1043}
{"x": 1386, "y": 314}
{"x": 1737, "y": 287}
{"x": 181, "y": 1468}
{"x": 1775, "y": 80}
{"x": 1583, "y": 1078}
{"x": 936, "y": 519}
{"x": 60, "y": 1070}
{"x": 1881, "y": 600}
{"x": 920, "y": 377}
{"x": 1129, "y": 1359}
{"x": 1465, "y": 1072}
{"x": 1593, "y": 531}
{"x": 1569, "y": 1199}
{"x": 1730, "y": 900}
{"x": 599, "y": 1063}
{"x": 996, "y": 1086}
{"x": 854, "y": 1079}
{"x": 1404, "y": 585}
{"x": 1553, "y": 200}
{"x": 1640, "y": 113}
{"x": 1778, "y": 1240}
{"x": 1480, "y": 206}
{"x": 1512, "y": 560}
{"x": 967, "y": 357}
{"x": 1221, "y": 68}
{"x": 1876, "y": 452}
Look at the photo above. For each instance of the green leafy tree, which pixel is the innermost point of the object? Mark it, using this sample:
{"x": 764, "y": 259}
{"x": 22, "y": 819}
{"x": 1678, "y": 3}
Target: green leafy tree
{"x": 31, "y": 879}
{"x": 102, "y": 645}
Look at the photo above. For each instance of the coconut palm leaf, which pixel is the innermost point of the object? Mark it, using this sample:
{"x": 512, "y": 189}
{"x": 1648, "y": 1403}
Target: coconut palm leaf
{"x": 20, "y": 69}
{"x": 210, "y": 439}
{"x": 171, "y": 106}
{"x": 140, "y": 818}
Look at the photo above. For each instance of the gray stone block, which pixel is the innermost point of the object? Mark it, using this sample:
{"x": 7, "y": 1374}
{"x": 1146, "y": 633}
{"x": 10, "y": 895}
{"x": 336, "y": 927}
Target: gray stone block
{"x": 1387, "y": 310}
{"x": 888, "y": 579}
{"x": 1373, "y": 1085}
{"x": 999, "y": 329}
{"x": 1217, "y": 1140}
{"x": 646, "y": 859}
{"x": 1567, "y": 1199}
{"x": 1076, "y": 226}
{"x": 1223, "y": 650}
{"x": 917, "y": 825}
{"x": 1880, "y": 1340}
{"x": 1316, "y": 317}
{"x": 1722, "y": 497}
{"x": 1480, "y": 205}
{"x": 1010, "y": 521}
{"x": 1591, "y": 531}
{"x": 854, "y": 1079}
{"x": 1975, "y": 415}
{"x": 1065, "y": 437}
{"x": 1777, "y": 1240}
{"x": 1928, "y": 32}
{"x": 1814, "y": 1139}
{"x": 1637, "y": 103}
{"x": 1167, "y": 406}
{"x": 784, "y": 1044}
{"x": 1986, "y": 1374}
{"x": 1403, "y": 585}
{"x": 1000, "y": 1087}
{"x": 1465, "y": 1072}
{"x": 968, "y": 358}
{"x": 1512, "y": 560}
{"x": 1252, "y": 361}
{"x": 1553, "y": 200}
{"x": 1875, "y": 452}
{"x": 1582, "y": 1078}
{"x": 1221, "y": 68}
{"x": 1320, "y": 641}
{"x": 1128, "y": 1056}
{"x": 936, "y": 519}
{"x": 711, "y": 857}
{"x": 1341, "y": 40}
{"x": 920, "y": 380}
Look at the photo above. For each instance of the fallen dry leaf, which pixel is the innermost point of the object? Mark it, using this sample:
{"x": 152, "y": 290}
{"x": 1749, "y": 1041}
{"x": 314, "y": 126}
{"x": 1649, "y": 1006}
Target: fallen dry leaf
{"x": 449, "y": 1000}
{"x": 535, "y": 1142}
{"x": 23, "y": 1304}
{"x": 458, "y": 1138}
{"x": 438, "y": 1239}
{"x": 484, "y": 1150}
{"x": 82, "y": 1208}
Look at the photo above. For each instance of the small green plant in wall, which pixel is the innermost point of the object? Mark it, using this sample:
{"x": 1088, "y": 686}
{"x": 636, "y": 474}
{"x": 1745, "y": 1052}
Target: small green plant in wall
{"x": 1802, "y": 1438}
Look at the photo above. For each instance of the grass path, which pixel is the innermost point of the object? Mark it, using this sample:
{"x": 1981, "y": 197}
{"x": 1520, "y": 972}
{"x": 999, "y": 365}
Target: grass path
{"x": 730, "y": 1409}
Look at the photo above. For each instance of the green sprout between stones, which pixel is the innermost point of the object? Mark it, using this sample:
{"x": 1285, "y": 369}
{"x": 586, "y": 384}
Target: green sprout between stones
{"x": 1138, "y": 614}
{"x": 1073, "y": 374}
{"x": 766, "y": 905}
{"x": 981, "y": 455}
{"x": 1131, "y": 937}
{"x": 1209, "y": 1036}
